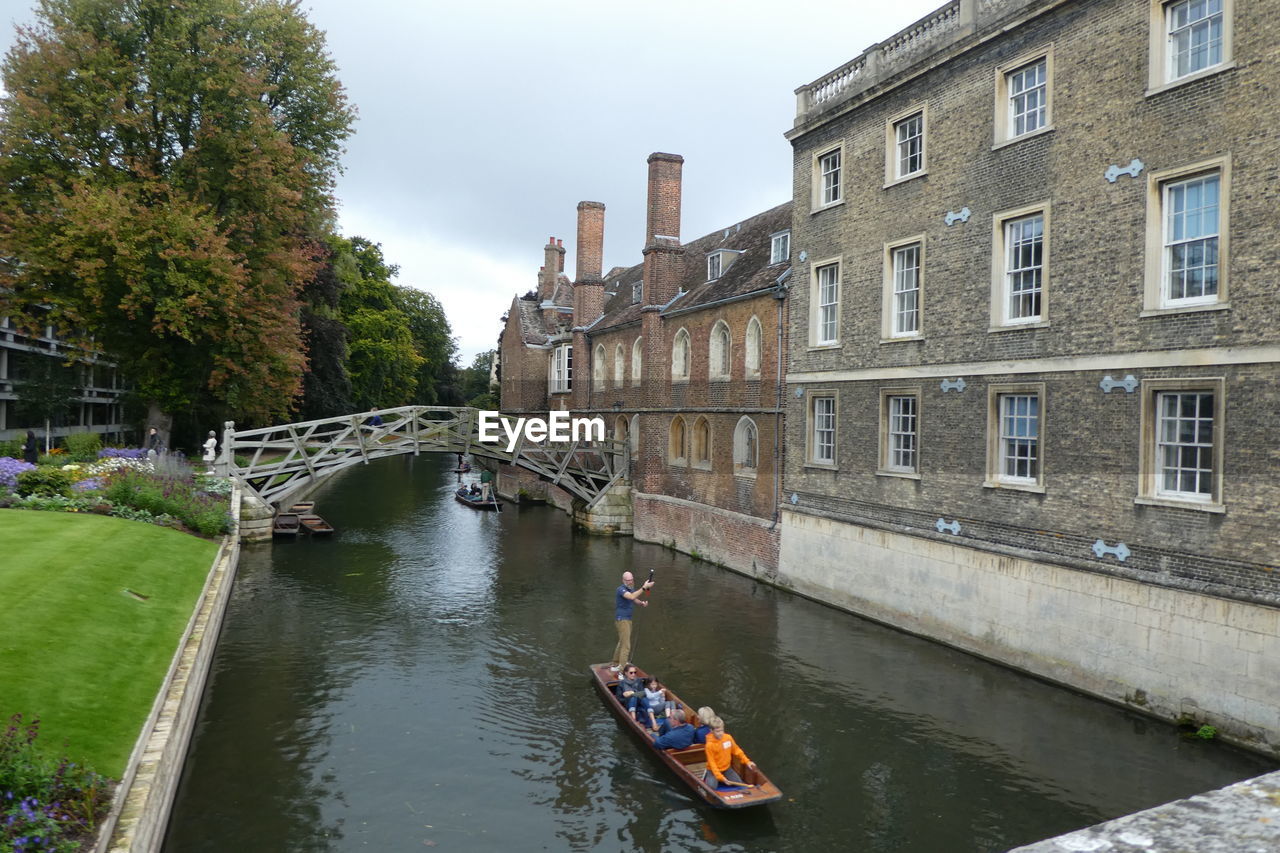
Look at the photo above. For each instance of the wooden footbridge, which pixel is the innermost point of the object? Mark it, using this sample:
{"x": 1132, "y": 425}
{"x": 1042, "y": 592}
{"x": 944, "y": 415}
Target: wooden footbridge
{"x": 281, "y": 460}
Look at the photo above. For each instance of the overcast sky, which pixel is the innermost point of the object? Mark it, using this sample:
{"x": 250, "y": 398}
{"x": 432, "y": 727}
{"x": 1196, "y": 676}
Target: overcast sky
{"x": 483, "y": 124}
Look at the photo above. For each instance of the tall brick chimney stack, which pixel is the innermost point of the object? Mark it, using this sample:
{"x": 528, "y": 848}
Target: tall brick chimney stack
{"x": 663, "y": 261}
{"x": 663, "y": 272}
{"x": 560, "y": 246}
{"x": 553, "y": 259}
{"x": 588, "y": 290}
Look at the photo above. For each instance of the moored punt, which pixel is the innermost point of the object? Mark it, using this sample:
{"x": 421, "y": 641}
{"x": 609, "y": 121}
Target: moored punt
{"x": 463, "y": 494}
{"x": 286, "y": 524}
{"x": 303, "y": 507}
{"x": 315, "y": 525}
{"x": 689, "y": 764}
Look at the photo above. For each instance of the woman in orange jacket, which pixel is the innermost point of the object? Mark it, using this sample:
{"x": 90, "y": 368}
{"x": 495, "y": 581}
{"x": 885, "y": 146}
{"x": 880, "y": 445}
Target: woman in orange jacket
{"x": 721, "y": 750}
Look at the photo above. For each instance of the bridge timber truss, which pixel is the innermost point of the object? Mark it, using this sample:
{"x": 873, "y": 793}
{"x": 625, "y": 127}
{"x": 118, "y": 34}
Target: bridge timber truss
{"x": 282, "y": 460}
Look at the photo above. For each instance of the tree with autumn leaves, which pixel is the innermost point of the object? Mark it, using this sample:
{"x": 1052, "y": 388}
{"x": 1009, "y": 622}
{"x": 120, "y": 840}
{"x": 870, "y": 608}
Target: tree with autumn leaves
{"x": 166, "y": 178}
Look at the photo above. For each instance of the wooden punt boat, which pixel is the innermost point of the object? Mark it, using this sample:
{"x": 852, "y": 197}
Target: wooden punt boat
{"x": 303, "y": 507}
{"x": 688, "y": 764}
{"x": 315, "y": 525}
{"x": 464, "y": 496}
{"x": 286, "y": 524}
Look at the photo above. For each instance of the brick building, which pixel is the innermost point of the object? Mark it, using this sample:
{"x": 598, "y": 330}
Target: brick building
{"x": 1034, "y": 342}
{"x": 682, "y": 356}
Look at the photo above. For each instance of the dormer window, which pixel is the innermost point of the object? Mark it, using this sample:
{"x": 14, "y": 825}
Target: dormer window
{"x": 780, "y": 247}
{"x": 713, "y": 266}
{"x": 637, "y": 292}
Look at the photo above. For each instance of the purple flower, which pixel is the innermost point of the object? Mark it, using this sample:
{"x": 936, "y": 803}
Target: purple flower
{"x": 10, "y": 468}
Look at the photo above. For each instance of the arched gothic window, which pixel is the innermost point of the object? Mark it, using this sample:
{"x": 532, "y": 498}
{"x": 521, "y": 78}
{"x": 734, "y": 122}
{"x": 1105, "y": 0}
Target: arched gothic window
{"x": 636, "y": 352}
{"x": 680, "y": 357}
{"x": 746, "y": 450}
{"x": 718, "y": 363}
{"x": 676, "y": 442}
{"x": 754, "y": 332}
{"x": 702, "y": 443}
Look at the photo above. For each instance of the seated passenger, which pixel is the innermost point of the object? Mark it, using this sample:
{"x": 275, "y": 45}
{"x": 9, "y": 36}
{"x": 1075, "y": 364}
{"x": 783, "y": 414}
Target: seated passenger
{"x": 721, "y": 750}
{"x": 705, "y": 716}
{"x": 653, "y": 704}
{"x": 630, "y": 688}
{"x": 678, "y": 734}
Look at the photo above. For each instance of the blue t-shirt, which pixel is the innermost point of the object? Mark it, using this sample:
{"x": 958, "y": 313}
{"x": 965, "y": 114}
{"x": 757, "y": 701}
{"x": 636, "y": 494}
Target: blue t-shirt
{"x": 623, "y": 605}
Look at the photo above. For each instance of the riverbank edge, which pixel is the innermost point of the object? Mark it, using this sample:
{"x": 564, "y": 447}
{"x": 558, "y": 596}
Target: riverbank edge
{"x": 140, "y": 809}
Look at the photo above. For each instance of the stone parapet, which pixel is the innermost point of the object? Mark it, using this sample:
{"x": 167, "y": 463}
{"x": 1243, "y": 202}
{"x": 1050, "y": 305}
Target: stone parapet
{"x": 1240, "y": 817}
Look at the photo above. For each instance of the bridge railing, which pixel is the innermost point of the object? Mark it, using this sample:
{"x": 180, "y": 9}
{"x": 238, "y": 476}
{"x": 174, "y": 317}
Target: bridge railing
{"x": 276, "y": 461}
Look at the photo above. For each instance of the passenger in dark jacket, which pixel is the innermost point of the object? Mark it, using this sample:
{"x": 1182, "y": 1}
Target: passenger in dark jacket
{"x": 31, "y": 450}
{"x": 630, "y": 688}
{"x": 705, "y": 716}
{"x": 679, "y": 734}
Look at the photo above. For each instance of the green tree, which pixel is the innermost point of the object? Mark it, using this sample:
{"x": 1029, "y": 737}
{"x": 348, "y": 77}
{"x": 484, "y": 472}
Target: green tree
{"x": 476, "y": 388}
{"x": 432, "y": 338}
{"x": 382, "y": 360}
{"x": 165, "y": 165}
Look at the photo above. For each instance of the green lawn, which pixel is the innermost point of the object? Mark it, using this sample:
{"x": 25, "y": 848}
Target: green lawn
{"x": 76, "y": 648}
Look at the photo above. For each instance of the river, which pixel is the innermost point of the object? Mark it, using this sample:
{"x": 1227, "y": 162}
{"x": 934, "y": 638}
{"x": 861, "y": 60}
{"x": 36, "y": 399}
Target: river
{"x": 420, "y": 681}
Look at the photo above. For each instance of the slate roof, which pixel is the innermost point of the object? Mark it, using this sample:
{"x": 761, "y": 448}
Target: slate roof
{"x": 750, "y": 272}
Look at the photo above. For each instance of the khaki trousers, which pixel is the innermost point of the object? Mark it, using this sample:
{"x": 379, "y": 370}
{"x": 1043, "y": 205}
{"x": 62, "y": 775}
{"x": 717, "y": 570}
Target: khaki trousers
{"x": 624, "y": 642}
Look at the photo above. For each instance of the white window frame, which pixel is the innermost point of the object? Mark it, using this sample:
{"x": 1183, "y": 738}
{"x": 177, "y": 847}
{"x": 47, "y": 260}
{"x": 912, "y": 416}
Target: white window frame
{"x": 780, "y": 247}
{"x": 1156, "y": 296}
{"x": 1001, "y": 270}
{"x": 720, "y": 352}
{"x": 894, "y": 279}
{"x": 822, "y": 429}
{"x": 891, "y": 426}
{"x": 1151, "y": 488}
{"x": 998, "y": 442}
{"x": 1005, "y": 123}
{"x": 715, "y": 261}
{"x": 1162, "y": 72}
{"x": 561, "y": 369}
{"x": 752, "y": 348}
{"x": 893, "y": 173}
{"x": 746, "y": 455}
{"x": 681, "y": 356}
{"x": 828, "y": 187}
{"x": 824, "y": 315}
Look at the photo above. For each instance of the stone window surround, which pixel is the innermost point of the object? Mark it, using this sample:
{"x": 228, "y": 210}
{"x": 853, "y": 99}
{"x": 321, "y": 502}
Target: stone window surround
{"x": 994, "y": 478}
{"x": 816, "y": 190}
{"x": 598, "y": 368}
{"x": 1002, "y": 106}
{"x": 838, "y": 262}
{"x": 752, "y": 348}
{"x": 810, "y": 425}
{"x": 677, "y": 442}
{"x": 681, "y": 351}
{"x": 700, "y": 444}
{"x": 637, "y": 360}
{"x": 887, "y": 334}
{"x": 1158, "y": 79}
{"x": 884, "y": 468}
{"x": 1147, "y": 462}
{"x": 1153, "y": 296}
{"x": 619, "y": 366}
{"x": 740, "y": 466}
{"x": 891, "y": 176}
{"x": 1000, "y": 259}
{"x": 720, "y": 352}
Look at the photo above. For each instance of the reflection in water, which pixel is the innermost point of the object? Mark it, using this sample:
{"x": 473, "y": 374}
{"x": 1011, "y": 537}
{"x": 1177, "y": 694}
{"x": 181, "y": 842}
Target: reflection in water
{"x": 421, "y": 681}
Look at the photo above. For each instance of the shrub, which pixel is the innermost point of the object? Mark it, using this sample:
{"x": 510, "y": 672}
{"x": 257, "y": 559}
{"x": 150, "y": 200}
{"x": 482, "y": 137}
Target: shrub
{"x": 175, "y": 497}
{"x": 83, "y": 446}
{"x": 46, "y": 804}
{"x": 122, "y": 453}
{"x": 45, "y": 481}
{"x": 12, "y": 447}
{"x": 10, "y": 468}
